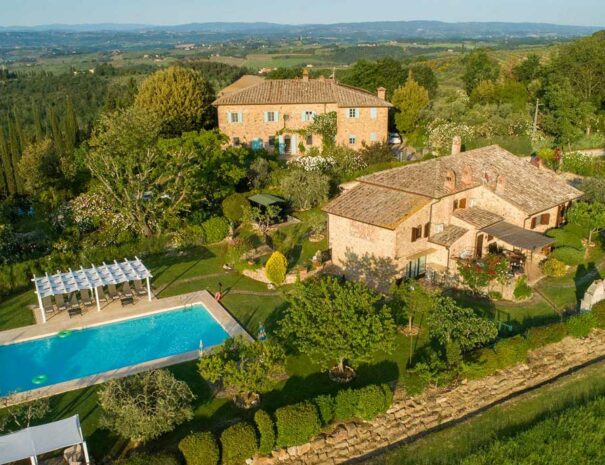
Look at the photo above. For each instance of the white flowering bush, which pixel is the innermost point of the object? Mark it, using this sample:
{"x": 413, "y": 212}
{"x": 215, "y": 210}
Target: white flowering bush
{"x": 88, "y": 212}
{"x": 319, "y": 163}
{"x": 441, "y": 133}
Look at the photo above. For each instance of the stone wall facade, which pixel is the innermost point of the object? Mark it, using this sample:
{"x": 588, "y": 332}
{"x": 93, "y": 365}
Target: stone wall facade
{"x": 410, "y": 416}
{"x": 370, "y": 125}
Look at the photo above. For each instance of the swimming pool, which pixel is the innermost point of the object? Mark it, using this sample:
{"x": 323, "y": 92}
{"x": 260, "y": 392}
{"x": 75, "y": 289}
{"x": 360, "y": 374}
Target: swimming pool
{"x": 71, "y": 355}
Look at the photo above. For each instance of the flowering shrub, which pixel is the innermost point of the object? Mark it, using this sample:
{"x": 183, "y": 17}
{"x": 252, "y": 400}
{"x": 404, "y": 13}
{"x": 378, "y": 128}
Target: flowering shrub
{"x": 583, "y": 165}
{"x": 478, "y": 274}
{"x": 310, "y": 163}
{"x": 441, "y": 133}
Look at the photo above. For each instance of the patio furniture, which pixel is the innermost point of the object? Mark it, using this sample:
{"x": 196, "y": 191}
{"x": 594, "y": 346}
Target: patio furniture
{"x": 112, "y": 291}
{"x": 126, "y": 291}
{"x": 86, "y": 297}
{"x": 74, "y": 311}
{"x": 60, "y": 302}
{"x": 101, "y": 294}
{"x": 47, "y": 305}
{"x": 90, "y": 279}
{"x": 139, "y": 288}
{"x": 127, "y": 301}
{"x": 74, "y": 455}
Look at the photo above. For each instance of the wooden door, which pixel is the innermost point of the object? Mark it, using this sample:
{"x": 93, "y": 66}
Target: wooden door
{"x": 479, "y": 246}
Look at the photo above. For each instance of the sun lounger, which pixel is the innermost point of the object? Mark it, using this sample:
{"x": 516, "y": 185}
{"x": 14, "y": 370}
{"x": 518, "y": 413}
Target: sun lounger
{"x": 126, "y": 291}
{"x": 139, "y": 288}
{"x": 47, "y": 305}
{"x": 101, "y": 293}
{"x": 60, "y": 302}
{"x": 112, "y": 291}
{"x": 86, "y": 297}
{"x": 73, "y": 301}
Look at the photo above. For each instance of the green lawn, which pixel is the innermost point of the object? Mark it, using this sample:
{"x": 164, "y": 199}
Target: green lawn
{"x": 14, "y": 311}
{"x": 252, "y": 303}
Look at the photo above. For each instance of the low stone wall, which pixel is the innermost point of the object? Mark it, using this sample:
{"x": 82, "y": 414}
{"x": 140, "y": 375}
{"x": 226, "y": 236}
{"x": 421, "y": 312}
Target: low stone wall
{"x": 411, "y": 416}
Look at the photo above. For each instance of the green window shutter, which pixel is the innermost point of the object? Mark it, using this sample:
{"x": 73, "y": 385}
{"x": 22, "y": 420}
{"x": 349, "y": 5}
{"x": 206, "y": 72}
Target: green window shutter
{"x": 241, "y": 117}
{"x": 276, "y": 116}
{"x": 266, "y": 117}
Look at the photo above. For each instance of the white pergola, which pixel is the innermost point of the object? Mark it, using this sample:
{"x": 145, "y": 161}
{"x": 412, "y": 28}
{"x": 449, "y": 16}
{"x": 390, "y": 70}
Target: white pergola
{"x": 91, "y": 279}
{"x": 37, "y": 440}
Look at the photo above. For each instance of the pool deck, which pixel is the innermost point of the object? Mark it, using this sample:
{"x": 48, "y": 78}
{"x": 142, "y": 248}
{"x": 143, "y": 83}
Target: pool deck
{"x": 112, "y": 313}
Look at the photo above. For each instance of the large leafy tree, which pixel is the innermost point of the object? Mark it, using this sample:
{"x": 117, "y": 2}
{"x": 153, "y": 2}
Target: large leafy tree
{"x": 219, "y": 169}
{"x": 370, "y": 75}
{"x": 333, "y": 321}
{"x": 243, "y": 366}
{"x": 425, "y": 76}
{"x": 410, "y": 100}
{"x": 566, "y": 114}
{"x": 589, "y": 216}
{"x": 448, "y": 323}
{"x": 180, "y": 96}
{"x": 147, "y": 185}
{"x": 146, "y": 405}
{"x": 479, "y": 66}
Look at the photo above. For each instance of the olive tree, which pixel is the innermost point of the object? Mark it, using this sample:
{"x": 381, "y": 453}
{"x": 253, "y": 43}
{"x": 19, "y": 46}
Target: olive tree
{"x": 242, "y": 366}
{"x": 146, "y": 405}
{"x": 147, "y": 185}
{"x": 333, "y": 322}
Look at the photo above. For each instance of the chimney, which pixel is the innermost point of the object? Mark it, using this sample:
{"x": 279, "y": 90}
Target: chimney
{"x": 467, "y": 175}
{"x": 382, "y": 93}
{"x": 306, "y": 75}
{"x": 450, "y": 181}
{"x": 500, "y": 184}
{"x": 456, "y": 145}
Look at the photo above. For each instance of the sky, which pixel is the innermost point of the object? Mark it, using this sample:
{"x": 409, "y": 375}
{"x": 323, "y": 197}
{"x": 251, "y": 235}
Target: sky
{"x": 167, "y": 12}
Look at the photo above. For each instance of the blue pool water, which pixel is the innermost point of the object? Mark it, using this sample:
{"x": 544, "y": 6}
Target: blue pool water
{"x": 64, "y": 357}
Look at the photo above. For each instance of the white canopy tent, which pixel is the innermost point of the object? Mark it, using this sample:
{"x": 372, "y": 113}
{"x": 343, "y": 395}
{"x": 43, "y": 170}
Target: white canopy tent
{"x": 37, "y": 440}
{"x": 91, "y": 279}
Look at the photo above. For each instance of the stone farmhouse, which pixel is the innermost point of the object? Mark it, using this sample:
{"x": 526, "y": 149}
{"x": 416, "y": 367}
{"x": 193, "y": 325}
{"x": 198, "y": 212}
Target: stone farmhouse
{"x": 274, "y": 114}
{"x": 429, "y": 215}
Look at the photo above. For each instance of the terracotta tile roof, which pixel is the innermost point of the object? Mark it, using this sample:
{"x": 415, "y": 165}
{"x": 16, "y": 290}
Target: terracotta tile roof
{"x": 376, "y": 205}
{"x": 244, "y": 82}
{"x": 477, "y": 217}
{"x": 530, "y": 188}
{"x": 450, "y": 234}
{"x": 297, "y": 91}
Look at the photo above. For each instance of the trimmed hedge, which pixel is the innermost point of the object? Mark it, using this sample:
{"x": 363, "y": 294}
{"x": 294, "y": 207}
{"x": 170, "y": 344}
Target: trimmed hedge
{"x": 297, "y": 424}
{"x": 346, "y": 404}
{"x": 568, "y": 255}
{"x": 215, "y": 229}
{"x": 266, "y": 431}
{"x": 200, "y": 449}
{"x": 365, "y": 403}
{"x": 238, "y": 443}
{"x": 371, "y": 402}
{"x": 325, "y": 405}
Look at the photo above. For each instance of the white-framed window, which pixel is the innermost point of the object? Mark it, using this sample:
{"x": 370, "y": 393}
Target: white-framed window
{"x": 307, "y": 115}
{"x": 235, "y": 117}
{"x": 352, "y": 140}
{"x": 353, "y": 113}
{"x": 373, "y": 113}
{"x": 271, "y": 117}
{"x": 373, "y": 137}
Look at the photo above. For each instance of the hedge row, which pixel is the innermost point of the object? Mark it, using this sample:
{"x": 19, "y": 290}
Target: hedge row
{"x": 514, "y": 350}
{"x": 294, "y": 425}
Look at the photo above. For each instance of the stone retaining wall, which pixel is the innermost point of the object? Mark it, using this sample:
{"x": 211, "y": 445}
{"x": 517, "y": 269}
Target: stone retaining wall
{"x": 411, "y": 416}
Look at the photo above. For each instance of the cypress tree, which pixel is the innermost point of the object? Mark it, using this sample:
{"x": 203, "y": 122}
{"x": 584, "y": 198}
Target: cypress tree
{"x": 3, "y": 184}
{"x": 38, "y": 131}
{"x": 70, "y": 125}
{"x": 7, "y": 166}
{"x": 55, "y": 130}
{"x": 15, "y": 152}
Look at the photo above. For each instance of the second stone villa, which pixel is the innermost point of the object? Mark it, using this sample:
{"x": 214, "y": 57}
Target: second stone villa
{"x": 429, "y": 215}
{"x": 273, "y": 114}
